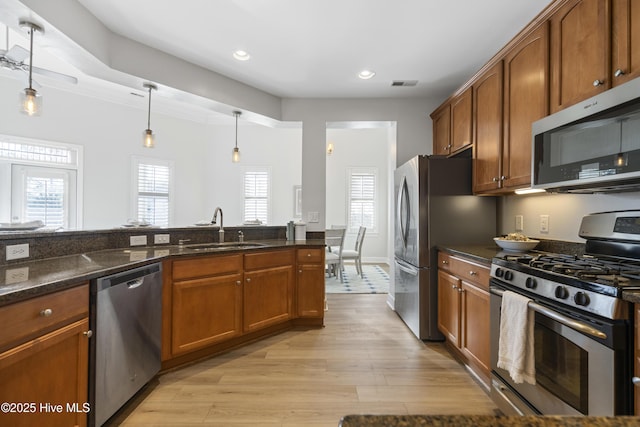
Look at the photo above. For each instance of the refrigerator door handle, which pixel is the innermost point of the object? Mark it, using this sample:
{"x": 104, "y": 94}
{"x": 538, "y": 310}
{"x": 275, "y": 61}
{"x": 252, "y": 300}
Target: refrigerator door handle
{"x": 404, "y": 217}
{"x": 407, "y": 268}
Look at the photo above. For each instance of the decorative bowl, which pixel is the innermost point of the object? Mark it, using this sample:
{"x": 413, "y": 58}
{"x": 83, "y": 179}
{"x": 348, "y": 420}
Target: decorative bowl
{"x": 516, "y": 245}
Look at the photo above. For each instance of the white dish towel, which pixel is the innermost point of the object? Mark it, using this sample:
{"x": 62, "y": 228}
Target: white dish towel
{"x": 515, "y": 346}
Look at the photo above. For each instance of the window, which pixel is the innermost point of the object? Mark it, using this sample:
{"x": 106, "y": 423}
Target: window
{"x": 256, "y": 195}
{"x": 153, "y": 182}
{"x": 41, "y": 181}
{"x": 362, "y": 199}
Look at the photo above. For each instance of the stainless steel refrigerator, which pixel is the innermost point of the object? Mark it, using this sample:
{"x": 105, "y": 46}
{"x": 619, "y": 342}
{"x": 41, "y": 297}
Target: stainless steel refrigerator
{"x": 433, "y": 206}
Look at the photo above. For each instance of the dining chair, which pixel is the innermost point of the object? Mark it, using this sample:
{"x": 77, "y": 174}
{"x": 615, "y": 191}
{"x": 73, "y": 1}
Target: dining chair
{"x": 334, "y": 241}
{"x": 356, "y": 254}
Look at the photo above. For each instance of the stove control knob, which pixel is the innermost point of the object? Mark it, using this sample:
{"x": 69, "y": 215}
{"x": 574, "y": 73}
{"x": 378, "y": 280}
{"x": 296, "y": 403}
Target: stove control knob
{"x": 499, "y": 272}
{"x": 581, "y": 299}
{"x": 531, "y": 283}
{"x": 562, "y": 292}
{"x": 508, "y": 275}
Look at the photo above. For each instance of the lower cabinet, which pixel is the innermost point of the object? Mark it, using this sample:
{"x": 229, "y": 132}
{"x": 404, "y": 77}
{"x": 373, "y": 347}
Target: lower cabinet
{"x": 463, "y": 311}
{"x": 54, "y": 357}
{"x": 310, "y": 290}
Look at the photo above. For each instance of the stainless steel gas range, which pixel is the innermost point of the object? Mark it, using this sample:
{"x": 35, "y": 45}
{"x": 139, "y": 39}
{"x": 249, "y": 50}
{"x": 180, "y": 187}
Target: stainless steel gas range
{"x": 583, "y": 328}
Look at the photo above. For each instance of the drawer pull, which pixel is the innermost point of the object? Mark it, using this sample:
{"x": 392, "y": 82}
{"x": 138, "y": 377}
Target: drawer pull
{"x": 88, "y": 333}
{"x": 473, "y": 273}
{"x": 309, "y": 254}
{"x": 636, "y": 381}
{"x": 238, "y": 282}
{"x": 248, "y": 279}
{"x": 46, "y": 312}
{"x": 445, "y": 262}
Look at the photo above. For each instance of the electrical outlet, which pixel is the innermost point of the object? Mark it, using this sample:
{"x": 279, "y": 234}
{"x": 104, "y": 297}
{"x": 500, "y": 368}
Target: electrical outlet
{"x": 138, "y": 240}
{"x": 519, "y": 223}
{"x": 160, "y": 239}
{"x": 16, "y": 275}
{"x": 313, "y": 217}
{"x": 544, "y": 223}
{"x": 17, "y": 251}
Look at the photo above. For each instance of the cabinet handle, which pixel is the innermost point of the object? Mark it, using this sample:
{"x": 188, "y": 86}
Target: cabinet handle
{"x": 473, "y": 273}
{"x": 597, "y": 83}
{"x": 495, "y": 179}
{"x": 502, "y": 178}
{"x": 445, "y": 262}
{"x": 460, "y": 290}
{"x": 88, "y": 333}
{"x": 454, "y": 287}
{"x": 619, "y": 73}
{"x": 238, "y": 282}
{"x": 299, "y": 271}
{"x": 309, "y": 254}
{"x": 636, "y": 381}
{"x": 46, "y": 312}
{"x": 248, "y": 279}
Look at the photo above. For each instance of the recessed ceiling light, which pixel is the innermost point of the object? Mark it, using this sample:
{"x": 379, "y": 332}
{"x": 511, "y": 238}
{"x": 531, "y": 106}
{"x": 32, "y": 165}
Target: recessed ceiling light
{"x": 241, "y": 55}
{"x": 366, "y": 74}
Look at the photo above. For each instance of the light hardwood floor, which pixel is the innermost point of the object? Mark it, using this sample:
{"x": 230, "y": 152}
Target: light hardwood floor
{"x": 364, "y": 361}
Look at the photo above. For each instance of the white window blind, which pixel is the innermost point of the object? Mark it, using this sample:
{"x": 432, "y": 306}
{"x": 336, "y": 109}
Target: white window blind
{"x": 362, "y": 200}
{"x": 153, "y": 193}
{"x": 256, "y": 196}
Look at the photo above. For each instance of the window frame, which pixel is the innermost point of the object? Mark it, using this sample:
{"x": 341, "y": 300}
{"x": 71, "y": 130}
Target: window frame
{"x": 136, "y": 161}
{"x": 373, "y": 171}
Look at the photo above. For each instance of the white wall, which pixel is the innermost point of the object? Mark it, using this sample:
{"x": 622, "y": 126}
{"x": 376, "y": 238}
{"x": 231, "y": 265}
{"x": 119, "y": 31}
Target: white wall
{"x": 359, "y": 148}
{"x": 565, "y": 212}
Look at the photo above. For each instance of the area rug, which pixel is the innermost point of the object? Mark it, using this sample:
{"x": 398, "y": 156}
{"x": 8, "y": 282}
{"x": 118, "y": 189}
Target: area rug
{"x": 374, "y": 280}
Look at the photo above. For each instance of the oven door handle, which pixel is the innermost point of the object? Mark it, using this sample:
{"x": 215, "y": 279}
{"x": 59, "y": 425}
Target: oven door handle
{"x": 560, "y": 318}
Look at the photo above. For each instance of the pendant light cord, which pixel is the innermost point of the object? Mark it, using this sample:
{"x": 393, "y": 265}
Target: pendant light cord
{"x": 149, "y": 110}
{"x": 31, "y": 57}
{"x": 237, "y": 114}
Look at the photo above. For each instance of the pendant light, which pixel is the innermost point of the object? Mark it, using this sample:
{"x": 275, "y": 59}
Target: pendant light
{"x": 30, "y": 99}
{"x": 235, "y": 155}
{"x": 149, "y": 139}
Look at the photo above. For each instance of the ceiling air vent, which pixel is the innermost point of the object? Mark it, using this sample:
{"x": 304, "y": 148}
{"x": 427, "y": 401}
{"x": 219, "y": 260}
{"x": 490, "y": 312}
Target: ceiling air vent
{"x": 404, "y": 83}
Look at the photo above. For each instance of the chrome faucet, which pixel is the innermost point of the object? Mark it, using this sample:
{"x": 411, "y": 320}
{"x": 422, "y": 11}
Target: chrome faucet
{"x": 213, "y": 221}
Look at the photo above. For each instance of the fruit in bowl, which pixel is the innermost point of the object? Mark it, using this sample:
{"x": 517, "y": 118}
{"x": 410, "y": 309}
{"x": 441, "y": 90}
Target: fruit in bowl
{"x": 516, "y": 242}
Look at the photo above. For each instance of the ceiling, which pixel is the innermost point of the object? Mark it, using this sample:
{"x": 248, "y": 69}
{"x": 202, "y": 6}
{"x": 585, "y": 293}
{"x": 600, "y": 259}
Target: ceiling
{"x": 315, "y": 48}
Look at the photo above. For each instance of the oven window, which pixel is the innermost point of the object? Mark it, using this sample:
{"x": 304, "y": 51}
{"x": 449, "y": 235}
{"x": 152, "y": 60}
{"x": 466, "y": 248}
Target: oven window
{"x": 562, "y": 367}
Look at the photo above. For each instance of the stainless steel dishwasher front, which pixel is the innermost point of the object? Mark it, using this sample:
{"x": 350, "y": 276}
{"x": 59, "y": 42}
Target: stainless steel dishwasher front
{"x": 128, "y": 330}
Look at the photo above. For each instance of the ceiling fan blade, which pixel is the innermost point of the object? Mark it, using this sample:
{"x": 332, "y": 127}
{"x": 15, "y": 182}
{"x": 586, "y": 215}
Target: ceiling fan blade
{"x": 17, "y": 53}
{"x": 55, "y": 75}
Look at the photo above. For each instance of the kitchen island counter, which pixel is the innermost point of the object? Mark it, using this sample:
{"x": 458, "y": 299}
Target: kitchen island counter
{"x": 484, "y": 421}
{"x": 39, "y": 277}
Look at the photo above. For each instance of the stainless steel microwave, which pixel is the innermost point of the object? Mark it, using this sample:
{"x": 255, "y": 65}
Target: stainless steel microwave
{"x": 593, "y": 146}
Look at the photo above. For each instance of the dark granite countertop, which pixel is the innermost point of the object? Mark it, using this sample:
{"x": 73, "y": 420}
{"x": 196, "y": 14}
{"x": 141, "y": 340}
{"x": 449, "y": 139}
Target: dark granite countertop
{"x": 631, "y": 296}
{"x": 484, "y": 421}
{"x": 479, "y": 253}
{"x": 38, "y": 277}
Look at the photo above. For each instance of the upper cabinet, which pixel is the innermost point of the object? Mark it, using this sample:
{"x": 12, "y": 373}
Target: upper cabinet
{"x": 625, "y": 41}
{"x": 580, "y": 51}
{"x": 452, "y": 125}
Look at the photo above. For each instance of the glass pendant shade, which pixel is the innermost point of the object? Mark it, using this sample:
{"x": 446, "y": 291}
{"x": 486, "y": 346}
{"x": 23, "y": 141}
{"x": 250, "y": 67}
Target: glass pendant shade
{"x": 149, "y": 139}
{"x": 621, "y": 160}
{"x": 30, "y": 102}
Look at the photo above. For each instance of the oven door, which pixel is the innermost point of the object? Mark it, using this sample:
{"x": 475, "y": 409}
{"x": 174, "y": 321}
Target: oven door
{"x": 575, "y": 371}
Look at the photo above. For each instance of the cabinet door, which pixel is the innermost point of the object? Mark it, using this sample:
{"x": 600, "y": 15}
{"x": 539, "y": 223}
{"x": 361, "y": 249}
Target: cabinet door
{"x": 525, "y": 101}
{"x": 311, "y": 295}
{"x": 50, "y": 369}
{"x": 487, "y": 98}
{"x": 580, "y": 52}
{"x": 625, "y": 41}
{"x": 449, "y": 307}
{"x": 461, "y": 119}
{"x": 475, "y": 342}
{"x": 441, "y": 130}
{"x": 267, "y": 297}
{"x": 205, "y": 311}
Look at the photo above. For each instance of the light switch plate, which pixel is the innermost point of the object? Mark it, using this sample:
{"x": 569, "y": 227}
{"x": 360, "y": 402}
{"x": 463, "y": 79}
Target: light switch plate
{"x": 519, "y": 223}
{"x": 544, "y": 223}
{"x": 17, "y": 251}
{"x": 313, "y": 217}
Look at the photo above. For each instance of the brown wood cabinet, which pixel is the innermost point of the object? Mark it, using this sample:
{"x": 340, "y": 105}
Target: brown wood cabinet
{"x": 487, "y": 114}
{"x": 625, "y": 41}
{"x": 452, "y": 125}
{"x": 636, "y": 361}
{"x": 463, "y": 311}
{"x": 310, "y": 296}
{"x": 526, "y": 88}
{"x": 47, "y": 361}
{"x": 442, "y": 130}
{"x": 268, "y": 288}
{"x": 206, "y": 301}
{"x": 580, "y": 51}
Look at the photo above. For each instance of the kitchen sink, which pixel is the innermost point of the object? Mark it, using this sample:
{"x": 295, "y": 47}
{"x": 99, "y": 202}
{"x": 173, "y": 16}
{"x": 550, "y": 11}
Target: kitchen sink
{"x": 224, "y": 245}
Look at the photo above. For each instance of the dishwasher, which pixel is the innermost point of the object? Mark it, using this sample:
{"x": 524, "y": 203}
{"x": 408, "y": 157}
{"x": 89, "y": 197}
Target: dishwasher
{"x": 127, "y": 323}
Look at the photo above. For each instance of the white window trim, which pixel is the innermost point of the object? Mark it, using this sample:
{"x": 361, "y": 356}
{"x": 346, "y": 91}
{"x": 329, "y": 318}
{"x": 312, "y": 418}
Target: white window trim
{"x": 6, "y": 165}
{"x": 368, "y": 170}
{"x": 266, "y": 169}
{"x": 137, "y": 160}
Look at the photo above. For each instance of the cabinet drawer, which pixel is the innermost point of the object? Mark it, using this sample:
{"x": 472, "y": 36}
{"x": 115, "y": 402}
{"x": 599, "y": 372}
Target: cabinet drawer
{"x": 260, "y": 260}
{"x": 207, "y": 266}
{"x": 310, "y": 256}
{"x": 28, "y": 319}
{"x": 467, "y": 270}
{"x": 444, "y": 261}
